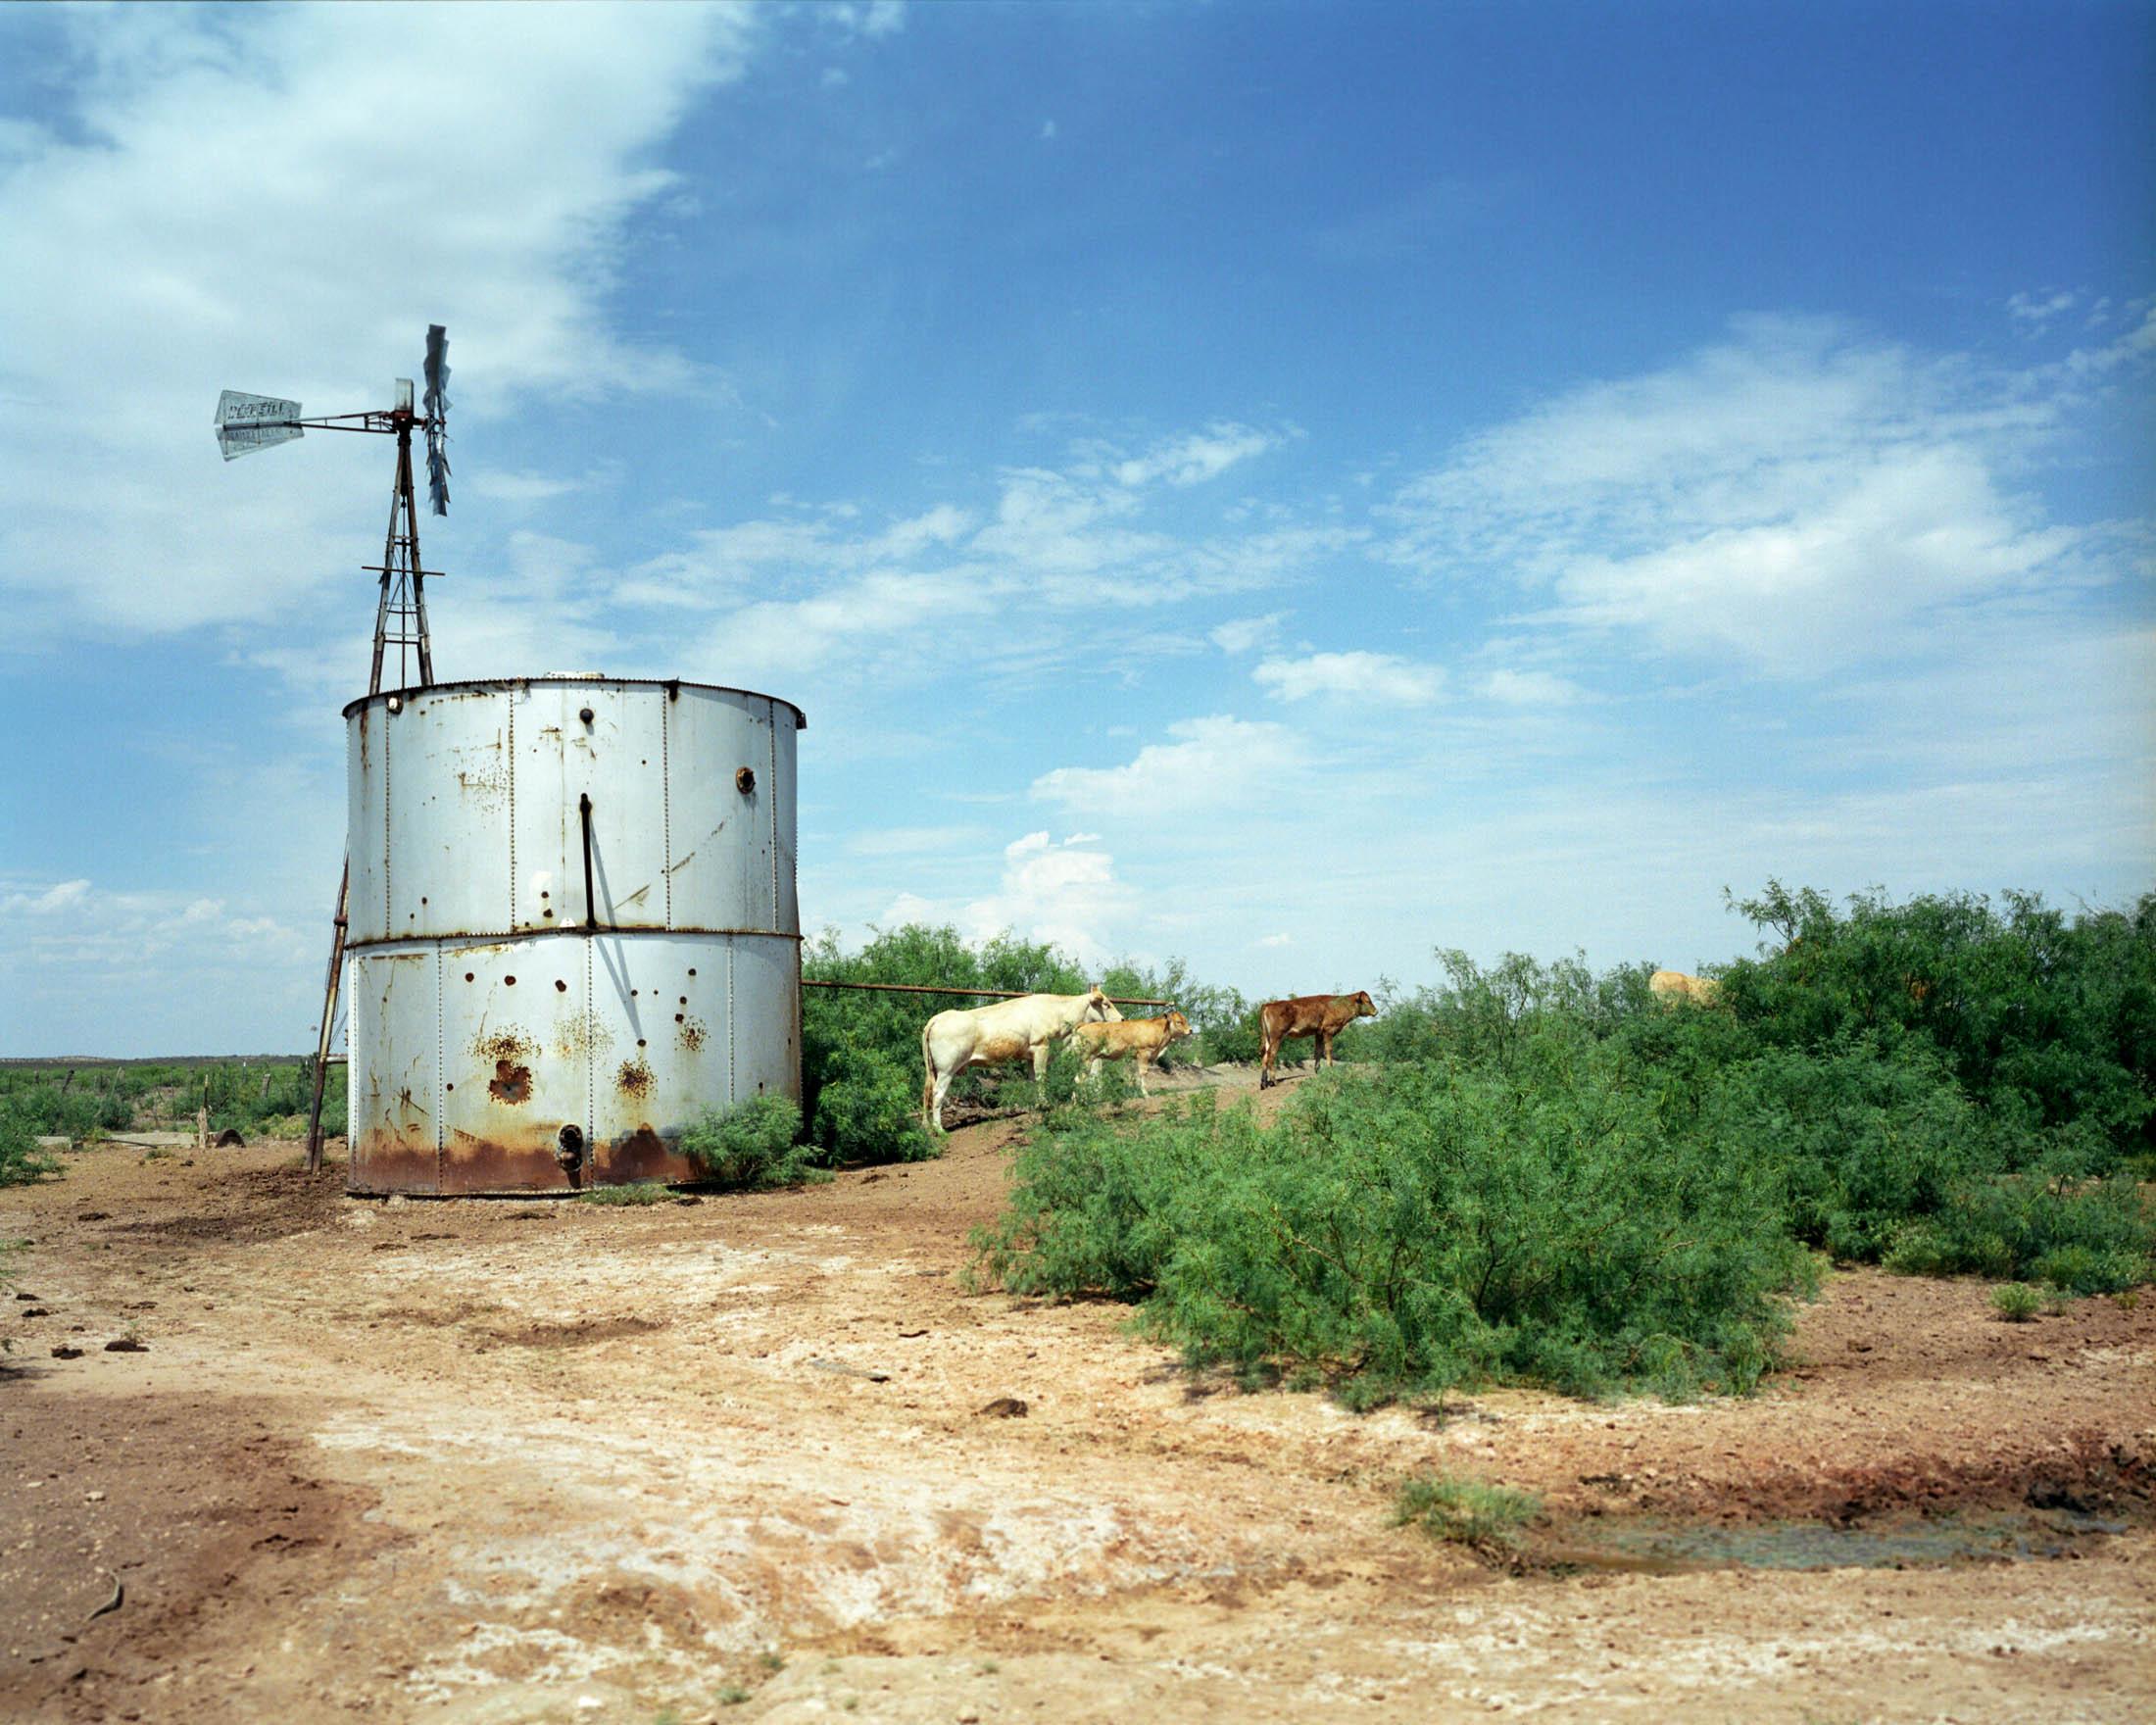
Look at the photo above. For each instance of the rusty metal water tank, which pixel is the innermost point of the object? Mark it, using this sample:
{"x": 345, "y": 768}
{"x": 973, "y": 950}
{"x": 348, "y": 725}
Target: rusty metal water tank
{"x": 573, "y": 927}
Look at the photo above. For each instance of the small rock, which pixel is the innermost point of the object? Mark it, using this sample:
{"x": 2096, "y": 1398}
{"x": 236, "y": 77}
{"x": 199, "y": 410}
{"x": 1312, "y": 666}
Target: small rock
{"x": 126, "y": 1345}
{"x": 1005, "y": 1407}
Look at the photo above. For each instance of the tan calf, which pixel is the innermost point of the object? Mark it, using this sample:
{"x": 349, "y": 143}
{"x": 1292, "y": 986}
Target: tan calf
{"x": 1143, "y": 1040}
{"x": 1674, "y": 988}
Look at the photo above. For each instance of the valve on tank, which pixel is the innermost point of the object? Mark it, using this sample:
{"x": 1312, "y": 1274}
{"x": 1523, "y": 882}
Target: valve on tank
{"x": 570, "y": 1153}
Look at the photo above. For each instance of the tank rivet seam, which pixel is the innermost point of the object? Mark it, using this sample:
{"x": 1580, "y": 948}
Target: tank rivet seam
{"x": 771, "y": 790}
{"x": 441, "y": 1096}
{"x": 513, "y": 810}
{"x": 665, "y": 802}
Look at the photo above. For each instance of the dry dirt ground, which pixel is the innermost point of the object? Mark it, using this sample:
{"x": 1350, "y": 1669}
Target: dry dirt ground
{"x": 733, "y": 1459}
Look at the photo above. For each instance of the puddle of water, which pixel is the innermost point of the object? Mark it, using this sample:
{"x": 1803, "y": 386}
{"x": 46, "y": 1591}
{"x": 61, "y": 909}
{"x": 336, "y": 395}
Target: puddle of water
{"x": 2006, "y": 1537}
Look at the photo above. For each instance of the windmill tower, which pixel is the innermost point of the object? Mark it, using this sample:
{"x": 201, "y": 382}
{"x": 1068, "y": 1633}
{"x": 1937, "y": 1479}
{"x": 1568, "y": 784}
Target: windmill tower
{"x": 246, "y": 423}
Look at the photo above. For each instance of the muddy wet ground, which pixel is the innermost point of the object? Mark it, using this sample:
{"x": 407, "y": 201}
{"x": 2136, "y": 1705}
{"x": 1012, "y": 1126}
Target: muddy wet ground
{"x": 762, "y": 1458}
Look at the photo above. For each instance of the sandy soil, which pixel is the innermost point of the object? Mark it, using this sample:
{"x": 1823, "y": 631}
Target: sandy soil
{"x": 756, "y": 1459}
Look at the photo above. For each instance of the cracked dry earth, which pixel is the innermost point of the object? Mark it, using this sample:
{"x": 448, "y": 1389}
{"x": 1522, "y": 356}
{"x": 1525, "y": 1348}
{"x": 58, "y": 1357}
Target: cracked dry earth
{"x": 506, "y": 1462}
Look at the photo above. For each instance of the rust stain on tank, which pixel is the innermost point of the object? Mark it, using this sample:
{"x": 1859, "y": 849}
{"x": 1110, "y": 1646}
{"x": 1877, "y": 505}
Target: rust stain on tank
{"x": 507, "y": 1044}
{"x": 692, "y": 1034}
{"x": 523, "y": 1164}
{"x": 510, "y": 1084}
{"x": 634, "y": 1079}
{"x": 584, "y": 1033}
{"x": 644, "y": 1154}
{"x": 384, "y": 1161}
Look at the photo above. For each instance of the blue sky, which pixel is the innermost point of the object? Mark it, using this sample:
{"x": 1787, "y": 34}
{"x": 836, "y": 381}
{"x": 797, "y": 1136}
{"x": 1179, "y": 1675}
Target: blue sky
{"x": 1292, "y": 487}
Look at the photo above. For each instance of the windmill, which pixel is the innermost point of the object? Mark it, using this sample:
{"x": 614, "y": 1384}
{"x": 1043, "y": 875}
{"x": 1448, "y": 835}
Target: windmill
{"x": 248, "y": 423}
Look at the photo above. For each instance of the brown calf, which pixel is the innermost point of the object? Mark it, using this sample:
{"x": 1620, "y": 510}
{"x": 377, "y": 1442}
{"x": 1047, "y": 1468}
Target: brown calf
{"x": 1322, "y": 1015}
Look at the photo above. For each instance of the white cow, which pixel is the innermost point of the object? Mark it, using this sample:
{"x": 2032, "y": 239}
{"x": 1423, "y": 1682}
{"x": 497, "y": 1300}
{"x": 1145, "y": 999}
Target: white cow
{"x": 1008, "y": 1030}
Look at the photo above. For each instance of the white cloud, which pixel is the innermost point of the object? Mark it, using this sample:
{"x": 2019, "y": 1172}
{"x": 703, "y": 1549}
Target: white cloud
{"x": 1243, "y": 634}
{"x": 2136, "y": 344}
{"x": 1794, "y": 496}
{"x": 50, "y": 901}
{"x": 111, "y": 935}
{"x": 2037, "y": 310}
{"x": 1214, "y": 760}
{"x": 1369, "y": 676}
{"x": 875, "y": 18}
{"x": 1065, "y": 894}
{"x": 1915, "y": 531}
{"x": 838, "y": 596}
{"x": 1193, "y": 458}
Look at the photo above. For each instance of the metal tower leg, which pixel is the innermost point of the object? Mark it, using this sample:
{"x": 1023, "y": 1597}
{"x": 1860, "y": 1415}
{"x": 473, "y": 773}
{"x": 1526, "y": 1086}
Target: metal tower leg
{"x": 328, "y": 1022}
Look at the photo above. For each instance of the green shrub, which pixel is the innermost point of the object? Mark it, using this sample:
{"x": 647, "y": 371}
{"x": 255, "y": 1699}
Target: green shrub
{"x": 868, "y": 1108}
{"x": 1464, "y": 1512}
{"x": 1420, "y": 1229}
{"x": 752, "y": 1146}
{"x": 2017, "y": 1302}
{"x": 2080, "y": 1236}
{"x": 1867, "y": 1138}
{"x": 20, "y": 1160}
{"x": 2045, "y": 1024}
{"x": 1236, "y": 1038}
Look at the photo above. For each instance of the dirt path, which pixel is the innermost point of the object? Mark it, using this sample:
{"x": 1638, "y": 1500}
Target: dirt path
{"x": 504, "y": 1461}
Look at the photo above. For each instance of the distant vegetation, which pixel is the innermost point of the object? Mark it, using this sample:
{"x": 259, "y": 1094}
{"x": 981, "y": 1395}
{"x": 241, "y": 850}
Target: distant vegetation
{"x": 259, "y": 1097}
{"x": 1543, "y": 1174}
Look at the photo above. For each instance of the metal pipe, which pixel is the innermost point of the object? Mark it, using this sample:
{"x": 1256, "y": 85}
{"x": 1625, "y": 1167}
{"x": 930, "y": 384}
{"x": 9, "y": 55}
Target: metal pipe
{"x": 591, "y": 908}
{"x": 1001, "y": 994}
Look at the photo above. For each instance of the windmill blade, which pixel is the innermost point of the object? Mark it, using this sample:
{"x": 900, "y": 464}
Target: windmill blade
{"x": 437, "y": 471}
{"x": 438, "y": 417}
{"x": 248, "y": 423}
